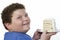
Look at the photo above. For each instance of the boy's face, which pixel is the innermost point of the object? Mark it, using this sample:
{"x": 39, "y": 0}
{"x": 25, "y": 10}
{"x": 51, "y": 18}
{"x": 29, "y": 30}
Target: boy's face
{"x": 20, "y": 21}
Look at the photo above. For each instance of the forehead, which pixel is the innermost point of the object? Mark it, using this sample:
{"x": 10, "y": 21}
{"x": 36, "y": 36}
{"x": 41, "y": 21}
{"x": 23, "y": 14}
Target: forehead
{"x": 19, "y": 12}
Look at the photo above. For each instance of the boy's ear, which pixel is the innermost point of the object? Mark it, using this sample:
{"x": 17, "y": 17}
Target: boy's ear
{"x": 7, "y": 25}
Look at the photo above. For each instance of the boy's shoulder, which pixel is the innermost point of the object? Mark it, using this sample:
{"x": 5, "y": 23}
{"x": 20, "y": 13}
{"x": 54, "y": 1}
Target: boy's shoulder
{"x": 10, "y": 36}
{"x": 16, "y": 36}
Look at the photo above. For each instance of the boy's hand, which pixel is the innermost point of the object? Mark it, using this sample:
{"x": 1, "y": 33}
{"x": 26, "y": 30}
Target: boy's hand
{"x": 42, "y": 35}
{"x": 37, "y": 35}
{"x": 47, "y": 35}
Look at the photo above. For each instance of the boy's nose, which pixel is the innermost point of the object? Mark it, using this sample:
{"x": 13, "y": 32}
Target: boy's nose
{"x": 25, "y": 18}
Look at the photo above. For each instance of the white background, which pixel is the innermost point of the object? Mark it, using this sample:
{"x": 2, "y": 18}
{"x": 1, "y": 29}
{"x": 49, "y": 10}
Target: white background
{"x": 37, "y": 10}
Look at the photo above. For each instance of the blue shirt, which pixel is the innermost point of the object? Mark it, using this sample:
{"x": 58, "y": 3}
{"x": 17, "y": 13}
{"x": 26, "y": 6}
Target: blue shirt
{"x": 16, "y": 36}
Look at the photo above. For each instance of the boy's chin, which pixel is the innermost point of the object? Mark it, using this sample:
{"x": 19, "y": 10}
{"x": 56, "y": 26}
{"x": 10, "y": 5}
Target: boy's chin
{"x": 26, "y": 30}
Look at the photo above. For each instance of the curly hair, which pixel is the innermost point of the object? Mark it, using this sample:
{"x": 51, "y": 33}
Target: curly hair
{"x": 7, "y": 12}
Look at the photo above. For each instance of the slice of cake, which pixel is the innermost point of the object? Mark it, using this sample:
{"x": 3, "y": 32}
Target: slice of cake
{"x": 49, "y": 25}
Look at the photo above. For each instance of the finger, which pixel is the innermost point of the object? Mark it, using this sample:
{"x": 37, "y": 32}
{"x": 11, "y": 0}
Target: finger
{"x": 39, "y": 31}
{"x": 51, "y": 33}
{"x": 45, "y": 32}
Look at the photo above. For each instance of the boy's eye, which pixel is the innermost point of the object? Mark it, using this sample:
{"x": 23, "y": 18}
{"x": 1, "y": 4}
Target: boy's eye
{"x": 26, "y": 15}
{"x": 19, "y": 17}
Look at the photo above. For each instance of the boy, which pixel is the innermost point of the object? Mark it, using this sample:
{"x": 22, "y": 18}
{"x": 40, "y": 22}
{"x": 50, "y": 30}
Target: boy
{"x": 16, "y": 21}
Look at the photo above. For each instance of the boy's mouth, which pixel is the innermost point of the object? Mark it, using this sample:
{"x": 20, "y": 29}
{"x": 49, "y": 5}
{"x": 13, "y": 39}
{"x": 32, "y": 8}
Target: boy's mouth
{"x": 27, "y": 23}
